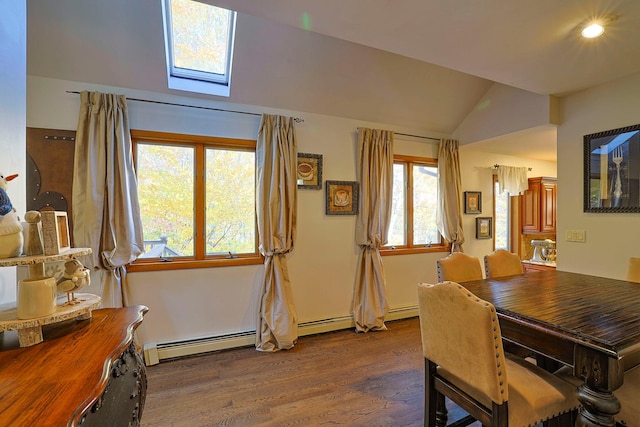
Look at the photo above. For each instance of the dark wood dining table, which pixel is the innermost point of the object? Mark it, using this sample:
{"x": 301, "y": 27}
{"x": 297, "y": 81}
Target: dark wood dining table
{"x": 589, "y": 323}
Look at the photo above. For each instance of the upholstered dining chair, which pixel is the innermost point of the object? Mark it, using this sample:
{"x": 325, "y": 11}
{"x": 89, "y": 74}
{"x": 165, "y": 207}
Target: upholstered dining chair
{"x": 465, "y": 361}
{"x": 459, "y": 267}
{"x": 502, "y": 263}
{"x": 633, "y": 270}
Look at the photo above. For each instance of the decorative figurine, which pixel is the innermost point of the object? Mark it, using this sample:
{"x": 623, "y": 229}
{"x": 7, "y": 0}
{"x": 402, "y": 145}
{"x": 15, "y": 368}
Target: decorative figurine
{"x": 75, "y": 277}
{"x": 33, "y": 244}
{"x": 11, "y": 238}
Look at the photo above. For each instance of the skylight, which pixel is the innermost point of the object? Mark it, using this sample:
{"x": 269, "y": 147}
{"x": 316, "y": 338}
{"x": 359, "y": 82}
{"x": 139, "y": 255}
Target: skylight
{"x": 199, "y": 46}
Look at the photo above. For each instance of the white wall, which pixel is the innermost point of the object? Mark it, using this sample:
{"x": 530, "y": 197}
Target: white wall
{"x": 504, "y": 110}
{"x": 13, "y": 57}
{"x": 201, "y": 302}
{"x": 611, "y": 237}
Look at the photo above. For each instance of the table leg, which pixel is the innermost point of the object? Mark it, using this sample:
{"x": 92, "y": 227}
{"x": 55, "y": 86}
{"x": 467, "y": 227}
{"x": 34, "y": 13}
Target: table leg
{"x": 598, "y": 407}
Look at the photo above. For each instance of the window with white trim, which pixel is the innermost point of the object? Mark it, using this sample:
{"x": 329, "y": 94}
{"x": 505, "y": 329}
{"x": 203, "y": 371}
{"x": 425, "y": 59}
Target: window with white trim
{"x": 199, "y": 46}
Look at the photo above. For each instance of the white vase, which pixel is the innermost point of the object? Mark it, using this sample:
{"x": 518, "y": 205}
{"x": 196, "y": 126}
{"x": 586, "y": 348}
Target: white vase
{"x": 36, "y": 297}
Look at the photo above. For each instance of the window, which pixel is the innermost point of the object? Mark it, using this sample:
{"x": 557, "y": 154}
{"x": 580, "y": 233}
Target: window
{"x": 197, "y": 200}
{"x": 413, "y": 226}
{"x": 502, "y": 208}
{"x": 199, "y": 46}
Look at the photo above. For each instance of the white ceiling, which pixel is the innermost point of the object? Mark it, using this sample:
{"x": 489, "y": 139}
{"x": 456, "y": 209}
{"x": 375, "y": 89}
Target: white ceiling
{"x": 529, "y": 44}
{"x": 533, "y": 45}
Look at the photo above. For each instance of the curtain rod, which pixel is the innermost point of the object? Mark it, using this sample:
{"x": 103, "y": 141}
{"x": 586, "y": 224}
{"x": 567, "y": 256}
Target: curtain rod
{"x": 414, "y": 136}
{"x": 417, "y": 136}
{"x": 295, "y": 119}
{"x": 496, "y": 166}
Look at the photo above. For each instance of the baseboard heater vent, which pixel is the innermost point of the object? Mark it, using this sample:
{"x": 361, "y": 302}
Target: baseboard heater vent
{"x": 155, "y": 352}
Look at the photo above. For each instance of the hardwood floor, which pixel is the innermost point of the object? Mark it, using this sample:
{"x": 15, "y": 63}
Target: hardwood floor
{"x": 337, "y": 378}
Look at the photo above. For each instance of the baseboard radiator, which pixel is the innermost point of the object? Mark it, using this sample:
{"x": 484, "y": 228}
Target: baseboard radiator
{"x": 155, "y": 352}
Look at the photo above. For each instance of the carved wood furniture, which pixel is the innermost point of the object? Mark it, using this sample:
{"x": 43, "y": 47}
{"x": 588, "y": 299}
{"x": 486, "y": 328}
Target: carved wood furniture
{"x": 85, "y": 372}
{"x": 588, "y": 323}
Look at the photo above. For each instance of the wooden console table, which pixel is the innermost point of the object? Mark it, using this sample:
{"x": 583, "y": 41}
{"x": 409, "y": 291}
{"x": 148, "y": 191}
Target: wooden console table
{"x": 85, "y": 372}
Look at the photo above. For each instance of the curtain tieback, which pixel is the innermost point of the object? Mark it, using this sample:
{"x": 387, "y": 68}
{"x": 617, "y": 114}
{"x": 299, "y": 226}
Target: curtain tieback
{"x": 274, "y": 253}
{"x": 369, "y": 246}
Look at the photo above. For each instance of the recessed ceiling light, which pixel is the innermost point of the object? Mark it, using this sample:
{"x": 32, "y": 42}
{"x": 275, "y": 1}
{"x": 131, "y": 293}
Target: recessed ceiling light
{"x": 592, "y": 30}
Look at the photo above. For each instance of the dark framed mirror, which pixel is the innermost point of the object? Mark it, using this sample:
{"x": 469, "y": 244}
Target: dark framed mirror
{"x": 612, "y": 170}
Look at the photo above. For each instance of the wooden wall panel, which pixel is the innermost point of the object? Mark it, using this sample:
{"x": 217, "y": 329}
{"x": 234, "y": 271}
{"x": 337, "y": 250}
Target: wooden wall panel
{"x": 49, "y": 177}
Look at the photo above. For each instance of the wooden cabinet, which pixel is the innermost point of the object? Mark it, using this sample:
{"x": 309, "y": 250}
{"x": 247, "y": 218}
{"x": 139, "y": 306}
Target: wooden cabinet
{"x": 84, "y": 372}
{"x": 538, "y": 206}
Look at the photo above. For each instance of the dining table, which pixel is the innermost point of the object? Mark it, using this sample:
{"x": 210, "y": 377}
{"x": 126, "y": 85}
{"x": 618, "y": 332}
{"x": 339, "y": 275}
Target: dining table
{"x": 590, "y": 324}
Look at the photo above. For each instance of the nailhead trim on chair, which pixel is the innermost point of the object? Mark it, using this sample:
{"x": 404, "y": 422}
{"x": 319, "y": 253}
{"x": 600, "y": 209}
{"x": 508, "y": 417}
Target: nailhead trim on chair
{"x": 494, "y": 319}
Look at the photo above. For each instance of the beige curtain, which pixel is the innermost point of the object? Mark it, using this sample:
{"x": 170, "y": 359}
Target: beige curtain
{"x": 449, "y": 209}
{"x": 375, "y": 175}
{"x": 106, "y": 212}
{"x": 276, "y": 192}
{"x": 512, "y": 179}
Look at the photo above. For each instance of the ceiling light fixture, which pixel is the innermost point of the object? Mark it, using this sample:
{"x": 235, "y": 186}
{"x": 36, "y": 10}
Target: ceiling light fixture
{"x": 592, "y": 30}
{"x": 595, "y": 26}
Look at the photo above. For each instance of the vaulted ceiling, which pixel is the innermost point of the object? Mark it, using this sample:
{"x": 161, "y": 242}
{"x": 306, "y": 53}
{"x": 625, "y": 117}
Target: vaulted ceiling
{"x": 422, "y": 64}
{"x": 533, "y": 45}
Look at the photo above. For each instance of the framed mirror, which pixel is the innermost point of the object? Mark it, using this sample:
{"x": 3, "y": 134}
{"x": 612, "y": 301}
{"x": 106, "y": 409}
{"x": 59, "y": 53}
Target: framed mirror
{"x": 612, "y": 170}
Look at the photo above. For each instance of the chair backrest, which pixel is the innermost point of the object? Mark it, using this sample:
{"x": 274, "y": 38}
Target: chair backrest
{"x": 633, "y": 271}
{"x": 502, "y": 263}
{"x": 459, "y": 267}
{"x": 461, "y": 333}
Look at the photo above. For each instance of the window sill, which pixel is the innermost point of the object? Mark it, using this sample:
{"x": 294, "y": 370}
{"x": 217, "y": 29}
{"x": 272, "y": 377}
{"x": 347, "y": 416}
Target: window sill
{"x": 198, "y": 86}
{"x": 182, "y": 264}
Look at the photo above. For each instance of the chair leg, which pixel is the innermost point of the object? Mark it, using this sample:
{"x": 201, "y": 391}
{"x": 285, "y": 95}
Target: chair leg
{"x": 442, "y": 414}
{"x": 435, "y": 411}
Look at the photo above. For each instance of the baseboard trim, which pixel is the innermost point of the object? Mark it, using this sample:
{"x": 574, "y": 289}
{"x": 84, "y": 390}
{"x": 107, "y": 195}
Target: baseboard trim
{"x": 155, "y": 352}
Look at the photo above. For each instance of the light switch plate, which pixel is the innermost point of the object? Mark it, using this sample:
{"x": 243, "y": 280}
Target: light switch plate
{"x": 576, "y": 236}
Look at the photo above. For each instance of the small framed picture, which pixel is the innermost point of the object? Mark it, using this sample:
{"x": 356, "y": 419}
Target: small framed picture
{"x": 309, "y": 171}
{"x": 472, "y": 202}
{"x": 484, "y": 228}
{"x": 341, "y": 197}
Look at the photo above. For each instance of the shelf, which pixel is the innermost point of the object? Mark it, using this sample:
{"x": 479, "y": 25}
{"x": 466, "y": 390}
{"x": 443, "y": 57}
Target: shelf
{"x": 39, "y": 259}
{"x": 30, "y": 330}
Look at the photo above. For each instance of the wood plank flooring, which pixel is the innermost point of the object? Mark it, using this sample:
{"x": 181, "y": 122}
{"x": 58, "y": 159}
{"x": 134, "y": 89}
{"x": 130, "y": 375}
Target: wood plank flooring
{"x": 336, "y": 378}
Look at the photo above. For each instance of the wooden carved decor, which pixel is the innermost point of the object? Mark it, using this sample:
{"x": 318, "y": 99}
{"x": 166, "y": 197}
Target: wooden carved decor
{"x": 50, "y": 170}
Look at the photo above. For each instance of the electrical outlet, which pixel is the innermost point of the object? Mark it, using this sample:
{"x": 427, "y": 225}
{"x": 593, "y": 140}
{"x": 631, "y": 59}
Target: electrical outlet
{"x": 576, "y": 236}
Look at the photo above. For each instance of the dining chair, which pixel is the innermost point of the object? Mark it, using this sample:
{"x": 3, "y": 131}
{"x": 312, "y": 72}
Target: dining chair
{"x": 465, "y": 361}
{"x": 459, "y": 267}
{"x": 633, "y": 270}
{"x": 502, "y": 263}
